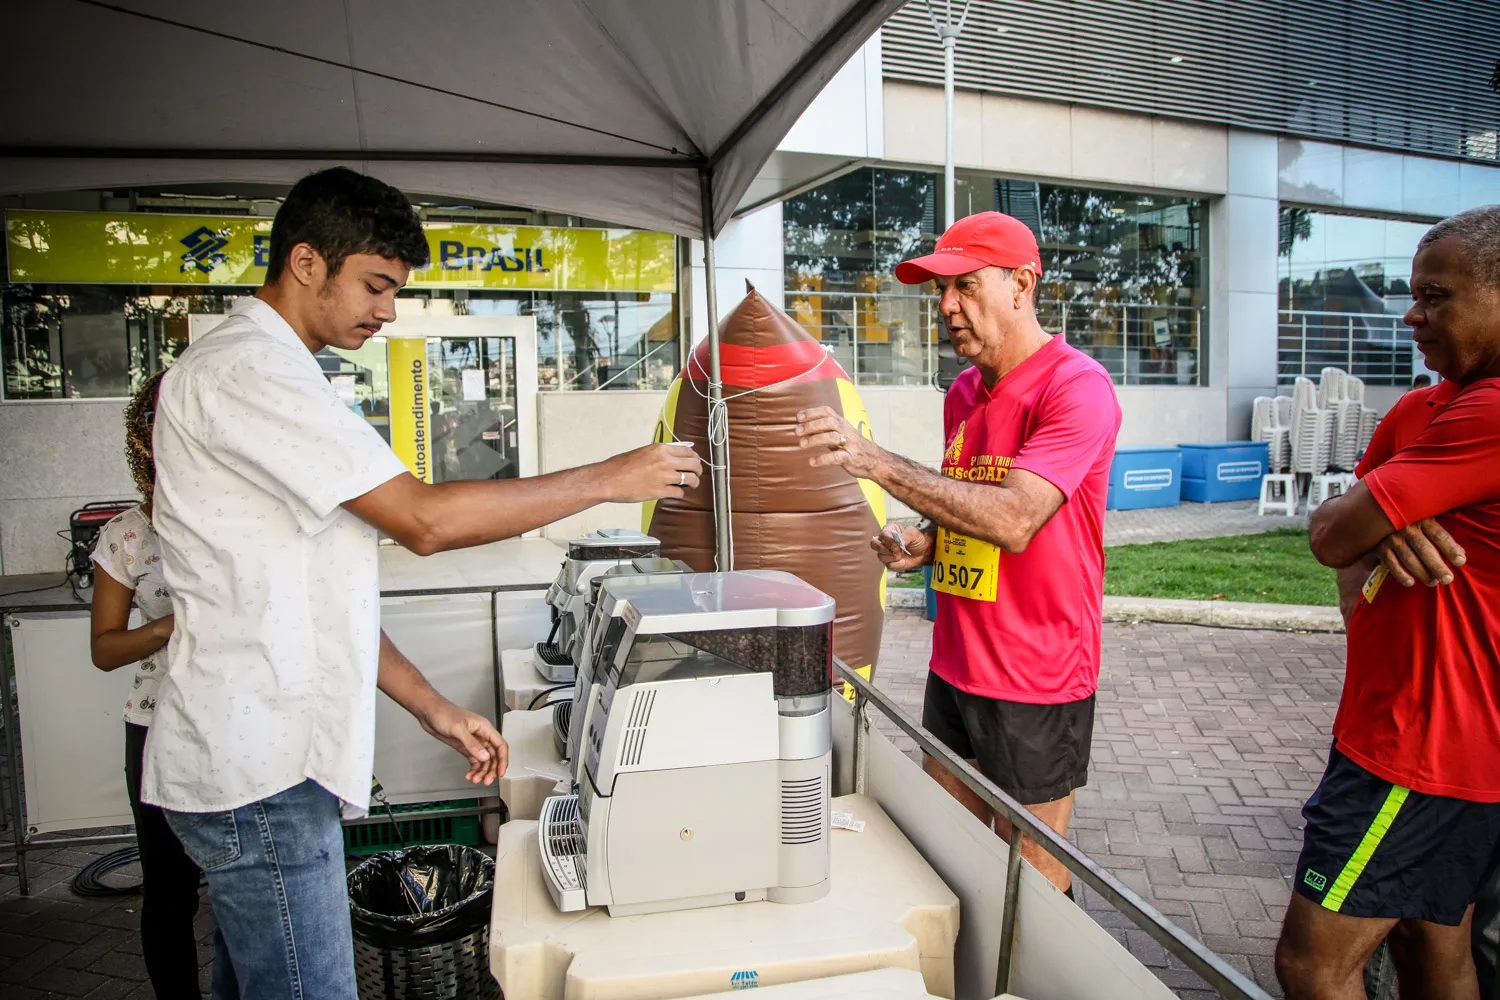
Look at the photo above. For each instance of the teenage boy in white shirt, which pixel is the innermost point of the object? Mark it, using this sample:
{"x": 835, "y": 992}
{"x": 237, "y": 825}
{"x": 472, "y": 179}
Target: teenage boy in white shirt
{"x": 269, "y": 499}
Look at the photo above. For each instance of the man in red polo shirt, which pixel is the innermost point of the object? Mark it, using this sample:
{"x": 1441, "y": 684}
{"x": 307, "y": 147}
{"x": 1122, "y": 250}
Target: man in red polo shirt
{"x": 1406, "y": 821}
{"x": 1015, "y": 531}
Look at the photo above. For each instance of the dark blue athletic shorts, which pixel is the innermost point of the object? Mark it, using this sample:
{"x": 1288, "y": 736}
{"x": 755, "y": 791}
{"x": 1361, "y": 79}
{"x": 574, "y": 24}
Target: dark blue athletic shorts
{"x": 1374, "y": 849}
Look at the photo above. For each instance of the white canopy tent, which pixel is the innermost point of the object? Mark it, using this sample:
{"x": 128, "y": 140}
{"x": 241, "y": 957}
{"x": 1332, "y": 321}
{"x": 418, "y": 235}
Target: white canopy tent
{"x": 655, "y": 114}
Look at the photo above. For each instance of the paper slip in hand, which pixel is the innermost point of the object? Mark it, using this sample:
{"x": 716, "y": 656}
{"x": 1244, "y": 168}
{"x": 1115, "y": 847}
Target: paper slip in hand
{"x": 846, "y": 821}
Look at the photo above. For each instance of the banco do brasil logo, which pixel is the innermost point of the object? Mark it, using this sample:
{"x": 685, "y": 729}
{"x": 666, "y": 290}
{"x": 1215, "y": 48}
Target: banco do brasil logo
{"x": 205, "y": 249}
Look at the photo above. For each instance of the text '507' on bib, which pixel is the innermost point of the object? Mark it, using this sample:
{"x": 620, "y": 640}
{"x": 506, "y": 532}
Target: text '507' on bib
{"x": 964, "y": 566}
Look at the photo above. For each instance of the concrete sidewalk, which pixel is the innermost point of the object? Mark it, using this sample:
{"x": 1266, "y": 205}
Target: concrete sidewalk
{"x": 1192, "y": 520}
{"x": 1166, "y": 610}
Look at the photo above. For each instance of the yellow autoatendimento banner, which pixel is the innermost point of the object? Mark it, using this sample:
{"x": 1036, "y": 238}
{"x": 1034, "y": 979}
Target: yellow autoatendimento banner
{"x": 411, "y": 430}
{"x": 88, "y": 248}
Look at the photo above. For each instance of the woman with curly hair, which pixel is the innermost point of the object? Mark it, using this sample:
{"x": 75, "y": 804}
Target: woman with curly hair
{"x": 129, "y": 562}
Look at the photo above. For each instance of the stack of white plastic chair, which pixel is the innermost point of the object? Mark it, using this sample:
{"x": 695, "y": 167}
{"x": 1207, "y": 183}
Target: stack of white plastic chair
{"x": 1354, "y": 391}
{"x": 1267, "y": 425}
{"x": 1304, "y": 395}
{"x": 1367, "y": 421}
{"x": 1331, "y": 387}
{"x": 1270, "y": 421}
{"x": 1312, "y": 431}
{"x": 1346, "y": 447}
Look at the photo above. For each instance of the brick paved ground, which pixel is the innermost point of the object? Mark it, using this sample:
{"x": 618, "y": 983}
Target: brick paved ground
{"x": 55, "y": 944}
{"x": 1206, "y": 743}
{"x": 1192, "y": 520}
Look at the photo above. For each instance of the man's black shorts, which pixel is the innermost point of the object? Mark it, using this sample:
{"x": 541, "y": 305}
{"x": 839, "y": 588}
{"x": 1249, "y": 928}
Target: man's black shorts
{"x": 1037, "y": 753}
{"x": 1374, "y": 849}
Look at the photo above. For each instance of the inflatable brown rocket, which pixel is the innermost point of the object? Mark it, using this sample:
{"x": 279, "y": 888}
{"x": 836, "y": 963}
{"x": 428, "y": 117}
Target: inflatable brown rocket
{"x": 786, "y": 515}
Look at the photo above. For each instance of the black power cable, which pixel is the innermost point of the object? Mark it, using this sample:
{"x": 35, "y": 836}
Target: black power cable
{"x": 90, "y": 881}
{"x": 544, "y": 692}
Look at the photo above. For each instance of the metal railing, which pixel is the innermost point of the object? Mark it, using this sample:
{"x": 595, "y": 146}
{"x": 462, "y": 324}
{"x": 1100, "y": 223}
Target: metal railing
{"x": 891, "y": 338}
{"x": 882, "y": 338}
{"x": 594, "y": 366}
{"x": 1219, "y": 974}
{"x": 1375, "y": 347}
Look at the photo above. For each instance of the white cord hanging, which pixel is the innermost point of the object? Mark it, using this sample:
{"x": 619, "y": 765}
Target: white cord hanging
{"x": 718, "y": 431}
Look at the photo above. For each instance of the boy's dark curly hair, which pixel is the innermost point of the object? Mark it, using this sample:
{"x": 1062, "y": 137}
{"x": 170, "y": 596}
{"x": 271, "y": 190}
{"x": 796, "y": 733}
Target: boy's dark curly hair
{"x": 339, "y": 212}
{"x": 140, "y": 416}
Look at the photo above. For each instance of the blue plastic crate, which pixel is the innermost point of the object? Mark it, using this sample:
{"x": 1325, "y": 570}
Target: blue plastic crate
{"x": 1145, "y": 477}
{"x": 1227, "y": 470}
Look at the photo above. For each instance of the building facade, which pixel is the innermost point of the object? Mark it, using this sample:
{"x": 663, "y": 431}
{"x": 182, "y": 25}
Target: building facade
{"x": 1226, "y": 197}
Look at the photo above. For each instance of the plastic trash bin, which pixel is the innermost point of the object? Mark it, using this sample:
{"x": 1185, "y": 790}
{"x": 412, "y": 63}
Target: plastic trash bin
{"x": 1228, "y": 470}
{"x": 421, "y": 922}
{"x": 1145, "y": 477}
{"x": 929, "y": 610}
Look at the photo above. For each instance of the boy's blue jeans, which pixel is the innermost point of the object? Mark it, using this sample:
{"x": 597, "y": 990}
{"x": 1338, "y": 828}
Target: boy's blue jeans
{"x": 275, "y": 873}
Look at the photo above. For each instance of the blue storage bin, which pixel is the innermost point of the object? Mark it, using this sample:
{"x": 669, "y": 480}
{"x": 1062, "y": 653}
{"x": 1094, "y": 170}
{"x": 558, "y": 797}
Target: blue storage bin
{"x": 1227, "y": 470}
{"x": 1145, "y": 477}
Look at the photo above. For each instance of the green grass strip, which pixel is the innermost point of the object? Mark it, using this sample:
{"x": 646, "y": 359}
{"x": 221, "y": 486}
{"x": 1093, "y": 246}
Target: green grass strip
{"x": 1271, "y": 568}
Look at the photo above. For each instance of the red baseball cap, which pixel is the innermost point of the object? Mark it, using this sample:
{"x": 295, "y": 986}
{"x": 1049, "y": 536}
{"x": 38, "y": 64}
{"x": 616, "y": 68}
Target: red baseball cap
{"x": 988, "y": 239}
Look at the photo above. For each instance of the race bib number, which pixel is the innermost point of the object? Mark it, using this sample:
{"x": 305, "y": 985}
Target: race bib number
{"x": 964, "y": 566}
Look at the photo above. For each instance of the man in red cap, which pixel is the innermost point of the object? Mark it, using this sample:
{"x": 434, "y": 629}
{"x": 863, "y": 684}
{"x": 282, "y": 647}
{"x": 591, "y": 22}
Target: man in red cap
{"x": 1015, "y": 529}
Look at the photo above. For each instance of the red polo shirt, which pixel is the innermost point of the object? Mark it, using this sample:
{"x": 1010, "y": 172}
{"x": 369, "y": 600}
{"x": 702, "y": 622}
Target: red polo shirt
{"x": 1026, "y": 626}
{"x": 1421, "y": 701}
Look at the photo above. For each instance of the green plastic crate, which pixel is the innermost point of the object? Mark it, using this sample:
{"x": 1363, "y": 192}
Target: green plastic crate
{"x": 374, "y": 838}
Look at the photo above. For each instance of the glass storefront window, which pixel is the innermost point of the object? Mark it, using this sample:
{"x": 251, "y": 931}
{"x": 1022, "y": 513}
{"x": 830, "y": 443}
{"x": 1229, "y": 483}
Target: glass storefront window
{"x": 843, "y": 240}
{"x": 102, "y": 341}
{"x": 1345, "y": 263}
{"x": 1125, "y": 272}
{"x": 605, "y": 299}
{"x": 1343, "y": 285}
{"x": 471, "y": 383}
{"x": 592, "y": 340}
{"x": 93, "y": 341}
{"x": 362, "y": 380}
{"x": 1124, "y": 277}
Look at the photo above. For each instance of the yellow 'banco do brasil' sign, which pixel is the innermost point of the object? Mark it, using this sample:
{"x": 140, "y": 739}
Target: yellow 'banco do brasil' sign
{"x": 102, "y": 248}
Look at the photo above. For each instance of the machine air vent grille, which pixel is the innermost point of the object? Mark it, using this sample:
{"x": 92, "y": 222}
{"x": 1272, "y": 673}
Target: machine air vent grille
{"x": 635, "y": 730}
{"x": 564, "y": 846}
{"x": 802, "y": 810}
{"x": 562, "y": 718}
{"x": 551, "y": 653}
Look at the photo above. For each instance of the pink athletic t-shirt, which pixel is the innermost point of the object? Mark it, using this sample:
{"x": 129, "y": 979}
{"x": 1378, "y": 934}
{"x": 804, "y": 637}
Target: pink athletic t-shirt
{"x": 1038, "y": 640}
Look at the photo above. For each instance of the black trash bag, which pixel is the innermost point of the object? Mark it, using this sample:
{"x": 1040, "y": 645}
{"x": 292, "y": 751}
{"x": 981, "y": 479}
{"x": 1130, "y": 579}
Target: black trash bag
{"x": 421, "y": 896}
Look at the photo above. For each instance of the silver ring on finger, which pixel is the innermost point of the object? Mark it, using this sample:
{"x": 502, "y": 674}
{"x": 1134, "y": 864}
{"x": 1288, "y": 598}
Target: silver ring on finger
{"x": 682, "y": 479}
{"x": 843, "y": 442}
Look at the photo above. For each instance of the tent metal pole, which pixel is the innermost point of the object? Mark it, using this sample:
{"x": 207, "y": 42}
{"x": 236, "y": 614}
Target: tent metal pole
{"x": 950, "y": 42}
{"x": 718, "y": 444}
{"x": 948, "y": 33}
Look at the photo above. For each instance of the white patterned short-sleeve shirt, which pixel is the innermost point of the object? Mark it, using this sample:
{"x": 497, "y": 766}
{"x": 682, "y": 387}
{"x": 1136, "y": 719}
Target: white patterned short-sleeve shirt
{"x": 275, "y": 585}
{"x": 128, "y": 552}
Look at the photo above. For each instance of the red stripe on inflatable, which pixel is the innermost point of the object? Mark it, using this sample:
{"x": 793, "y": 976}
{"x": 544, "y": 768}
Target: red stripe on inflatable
{"x": 758, "y": 367}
